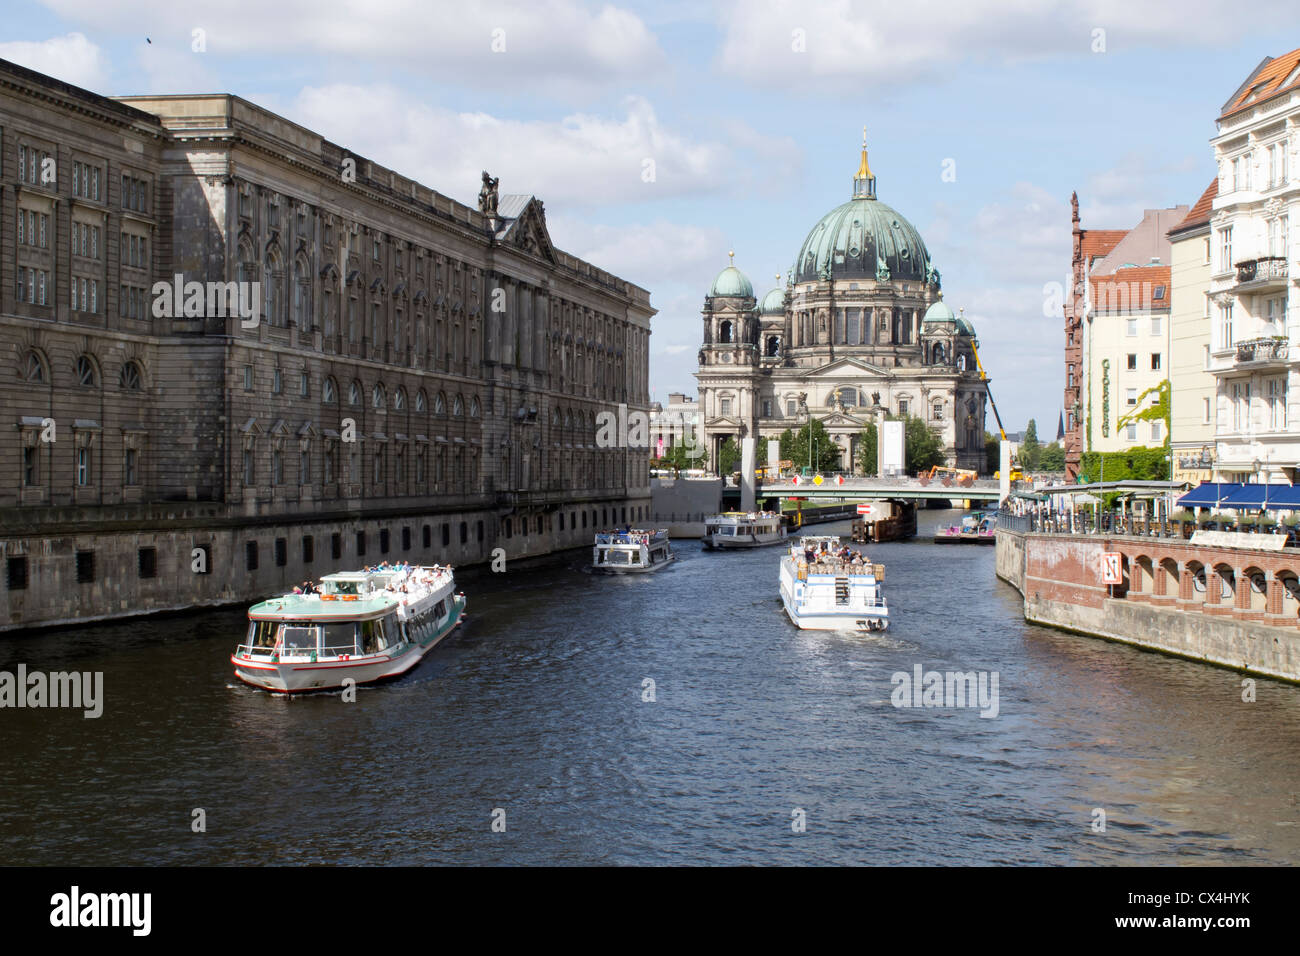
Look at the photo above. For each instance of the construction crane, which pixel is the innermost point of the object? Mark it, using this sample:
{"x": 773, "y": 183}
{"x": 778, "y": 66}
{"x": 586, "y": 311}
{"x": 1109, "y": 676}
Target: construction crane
{"x": 1016, "y": 473}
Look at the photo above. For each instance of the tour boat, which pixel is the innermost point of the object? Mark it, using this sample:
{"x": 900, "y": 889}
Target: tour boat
{"x": 365, "y": 626}
{"x": 739, "y": 529}
{"x": 825, "y": 589}
{"x": 631, "y": 551}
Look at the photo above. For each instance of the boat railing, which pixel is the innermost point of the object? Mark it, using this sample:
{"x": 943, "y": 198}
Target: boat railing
{"x": 633, "y": 537}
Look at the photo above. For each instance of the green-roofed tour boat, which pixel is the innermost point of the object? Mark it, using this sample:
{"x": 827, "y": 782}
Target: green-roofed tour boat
{"x": 363, "y": 626}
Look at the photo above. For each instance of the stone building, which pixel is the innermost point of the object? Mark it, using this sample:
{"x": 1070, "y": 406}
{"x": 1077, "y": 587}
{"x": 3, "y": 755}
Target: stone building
{"x": 1192, "y": 386}
{"x": 420, "y": 381}
{"x": 859, "y": 329}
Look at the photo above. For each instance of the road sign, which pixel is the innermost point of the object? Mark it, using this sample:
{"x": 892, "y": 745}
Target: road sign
{"x": 794, "y": 479}
{"x": 839, "y": 479}
{"x": 864, "y": 509}
{"x": 817, "y": 480}
{"x": 1110, "y": 568}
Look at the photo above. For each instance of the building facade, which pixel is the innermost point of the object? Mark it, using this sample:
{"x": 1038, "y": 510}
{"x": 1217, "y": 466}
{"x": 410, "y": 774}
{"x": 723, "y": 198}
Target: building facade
{"x": 1117, "y": 336}
{"x": 859, "y": 329}
{"x": 420, "y": 380}
{"x": 676, "y": 422}
{"x": 1192, "y": 385}
{"x": 1253, "y": 286}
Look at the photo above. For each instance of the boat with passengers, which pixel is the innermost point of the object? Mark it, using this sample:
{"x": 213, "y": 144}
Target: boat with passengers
{"x": 366, "y": 626}
{"x": 631, "y": 551}
{"x": 741, "y": 529}
{"x": 826, "y": 586}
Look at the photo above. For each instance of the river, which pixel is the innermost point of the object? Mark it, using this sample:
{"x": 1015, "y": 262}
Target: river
{"x": 534, "y": 714}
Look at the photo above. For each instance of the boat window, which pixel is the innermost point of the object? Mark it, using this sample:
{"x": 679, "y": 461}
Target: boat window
{"x": 299, "y": 639}
{"x": 440, "y": 609}
{"x": 370, "y": 635}
{"x": 341, "y": 638}
{"x": 636, "y": 557}
{"x": 262, "y": 633}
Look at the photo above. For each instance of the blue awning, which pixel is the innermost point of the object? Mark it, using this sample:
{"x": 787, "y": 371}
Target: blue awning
{"x": 1283, "y": 498}
{"x": 1209, "y": 495}
{"x": 1246, "y": 497}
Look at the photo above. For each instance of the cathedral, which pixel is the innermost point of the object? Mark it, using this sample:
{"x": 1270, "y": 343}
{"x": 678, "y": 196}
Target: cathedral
{"x": 859, "y": 330}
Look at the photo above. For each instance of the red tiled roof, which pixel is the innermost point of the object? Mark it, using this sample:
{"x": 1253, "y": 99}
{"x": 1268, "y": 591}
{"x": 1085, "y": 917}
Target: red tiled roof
{"x": 1098, "y": 242}
{"x": 1267, "y": 80}
{"x": 1199, "y": 214}
{"x": 1131, "y": 290}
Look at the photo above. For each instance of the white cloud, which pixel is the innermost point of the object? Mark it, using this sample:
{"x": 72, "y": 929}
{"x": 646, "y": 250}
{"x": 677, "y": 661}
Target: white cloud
{"x": 649, "y": 254}
{"x": 902, "y": 42}
{"x": 577, "y": 160}
{"x": 71, "y": 58}
{"x": 536, "y": 40}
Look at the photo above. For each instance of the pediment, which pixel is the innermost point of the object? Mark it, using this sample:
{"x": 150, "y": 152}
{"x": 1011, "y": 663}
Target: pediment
{"x": 843, "y": 418}
{"x": 846, "y": 366}
{"x": 723, "y": 422}
{"x": 521, "y": 222}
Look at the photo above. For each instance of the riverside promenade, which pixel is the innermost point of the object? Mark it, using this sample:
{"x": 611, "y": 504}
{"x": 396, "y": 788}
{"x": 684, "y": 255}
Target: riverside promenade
{"x": 1229, "y": 599}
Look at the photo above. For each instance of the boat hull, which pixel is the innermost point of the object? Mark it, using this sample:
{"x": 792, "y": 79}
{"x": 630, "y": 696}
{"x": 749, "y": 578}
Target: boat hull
{"x": 306, "y": 676}
{"x": 634, "y": 568}
{"x": 736, "y": 542}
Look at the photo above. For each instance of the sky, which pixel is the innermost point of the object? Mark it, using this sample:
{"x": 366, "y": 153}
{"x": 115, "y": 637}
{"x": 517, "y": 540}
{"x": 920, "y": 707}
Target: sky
{"x": 663, "y": 135}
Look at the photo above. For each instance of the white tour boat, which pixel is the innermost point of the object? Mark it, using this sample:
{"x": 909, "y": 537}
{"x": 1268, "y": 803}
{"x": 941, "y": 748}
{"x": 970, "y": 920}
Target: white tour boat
{"x": 365, "y": 625}
{"x": 740, "y": 529}
{"x": 825, "y": 589}
{"x": 631, "y": 551}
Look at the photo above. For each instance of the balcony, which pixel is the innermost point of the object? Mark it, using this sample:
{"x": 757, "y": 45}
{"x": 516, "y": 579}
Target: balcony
{"x": 1262, "y": 275}
{"x": 1262, "y": 352}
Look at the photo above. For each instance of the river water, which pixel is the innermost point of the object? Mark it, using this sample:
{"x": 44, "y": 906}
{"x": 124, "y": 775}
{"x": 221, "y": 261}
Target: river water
{"x": 533, "y": 714}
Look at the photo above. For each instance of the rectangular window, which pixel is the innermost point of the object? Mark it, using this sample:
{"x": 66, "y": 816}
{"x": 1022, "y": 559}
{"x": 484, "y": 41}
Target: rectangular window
{"x": 1206, "y": 252}
{"x": 17, "y": 573}
{"x": 1131, "y": 396}
{"x": 303, "y": 382}
{"x": 1156, "y": 323}
{"x": 85, "y": 567}
{"x": 83, "y": 466}
{"x": 277, "y": 381}
{"x": 147, "y": 562}
{"x": 767, "y": 408}
{"x": 308, "y": 549}
{"x": 336, "y": 546}
{"x": 248, "y": 466}
{"x": 129, "y": 476}
{"x": 725, "y": 406}
{"x": 427, "y": 536}
{"x": 1132, "y": 327}
{"x": 304, "y": 467}
{"x": 789, "y": 408}
{"x": 250, "y": 555}
{"x": 1132, "y": 361}
{"x": 1225, "y": 326}
{"x": 383, "y": 541}
{"x": 902, "y": 406}
{"x": 1155, "y": 431}
{"x": 29, "y": 467}
{"x": 1205, "y": 412}
{"x": 1131, "y": 432}
{"x": 1225, "y": 248}
{"x": 406, "y": 539}
{"x": 281, "y": 552}
{"x": 1155, "y": 361}
{"x": 361, "y": 544}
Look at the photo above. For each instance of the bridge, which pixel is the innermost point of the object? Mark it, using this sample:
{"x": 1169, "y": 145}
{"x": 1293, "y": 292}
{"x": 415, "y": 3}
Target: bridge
{"x": 981, "y": 489}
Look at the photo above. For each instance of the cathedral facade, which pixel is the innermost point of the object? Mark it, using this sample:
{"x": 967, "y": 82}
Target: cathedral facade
{"x": 858, "y": 330}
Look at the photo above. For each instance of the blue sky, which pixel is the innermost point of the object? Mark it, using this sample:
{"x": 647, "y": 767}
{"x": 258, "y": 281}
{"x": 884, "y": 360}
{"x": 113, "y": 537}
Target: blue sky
{"x": 751, "y": 112}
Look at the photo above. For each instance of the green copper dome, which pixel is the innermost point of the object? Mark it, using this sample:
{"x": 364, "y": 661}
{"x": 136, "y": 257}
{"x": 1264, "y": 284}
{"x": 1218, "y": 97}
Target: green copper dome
{"x": 939, "y": 313}
{"x": 732, "y": 282}
{"x": 773, "y": 303}
{"x": 863, "y": 239}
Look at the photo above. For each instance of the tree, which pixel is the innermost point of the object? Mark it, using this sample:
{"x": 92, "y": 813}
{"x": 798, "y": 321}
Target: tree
{"x": 923, "y": 449}
{"x": 1052, "y": 458}
{"x": 1030, "y": 450}
{"x": 679, "y": 456}
{"x": 728, "y": 456}
{"x": 825, "y": 453}
{"x": 868, "y": 449}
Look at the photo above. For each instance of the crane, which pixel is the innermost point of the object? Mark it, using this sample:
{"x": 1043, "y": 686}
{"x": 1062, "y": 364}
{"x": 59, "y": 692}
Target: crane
{"x": 1016, "y": 473}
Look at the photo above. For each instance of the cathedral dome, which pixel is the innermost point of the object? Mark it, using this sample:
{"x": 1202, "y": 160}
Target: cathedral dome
{"x": 856, "y": 239}
{"x": 940, "y": 313}
{"x": 773, "y": 303}
{"x": 732, "y": 282}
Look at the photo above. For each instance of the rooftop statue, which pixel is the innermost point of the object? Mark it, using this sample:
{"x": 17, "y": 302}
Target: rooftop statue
{"x": 487, "y": 196}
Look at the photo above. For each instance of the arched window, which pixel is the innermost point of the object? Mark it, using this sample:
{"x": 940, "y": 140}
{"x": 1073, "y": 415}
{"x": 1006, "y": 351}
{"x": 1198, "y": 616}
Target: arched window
{"x": 301, "y": 294}
{"x": 86, "y": 372}
{"x": 354, "y": 393}
{"x": 329, "y": 392}
{"x": 724, "y": 332}
{"x": 272, "y": 278}
{"x": 457, "y": 407}
{"x": 473, "y": 407}
{"x": 440, "y": 405}
{"x": 420, "y": 401}
{"x": 377, "y": 397}
{"x": 130, "y": 378}
{"x": 399, "y": 399}
{"x": 35, "y": 369}
{"x": 773, "y": 345}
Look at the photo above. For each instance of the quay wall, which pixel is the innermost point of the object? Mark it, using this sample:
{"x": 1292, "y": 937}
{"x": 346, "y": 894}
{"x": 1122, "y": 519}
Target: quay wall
{"x": 1232, "y": 607}
{"x": 682, "y": 504}
{"x": 175, "y": 558}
